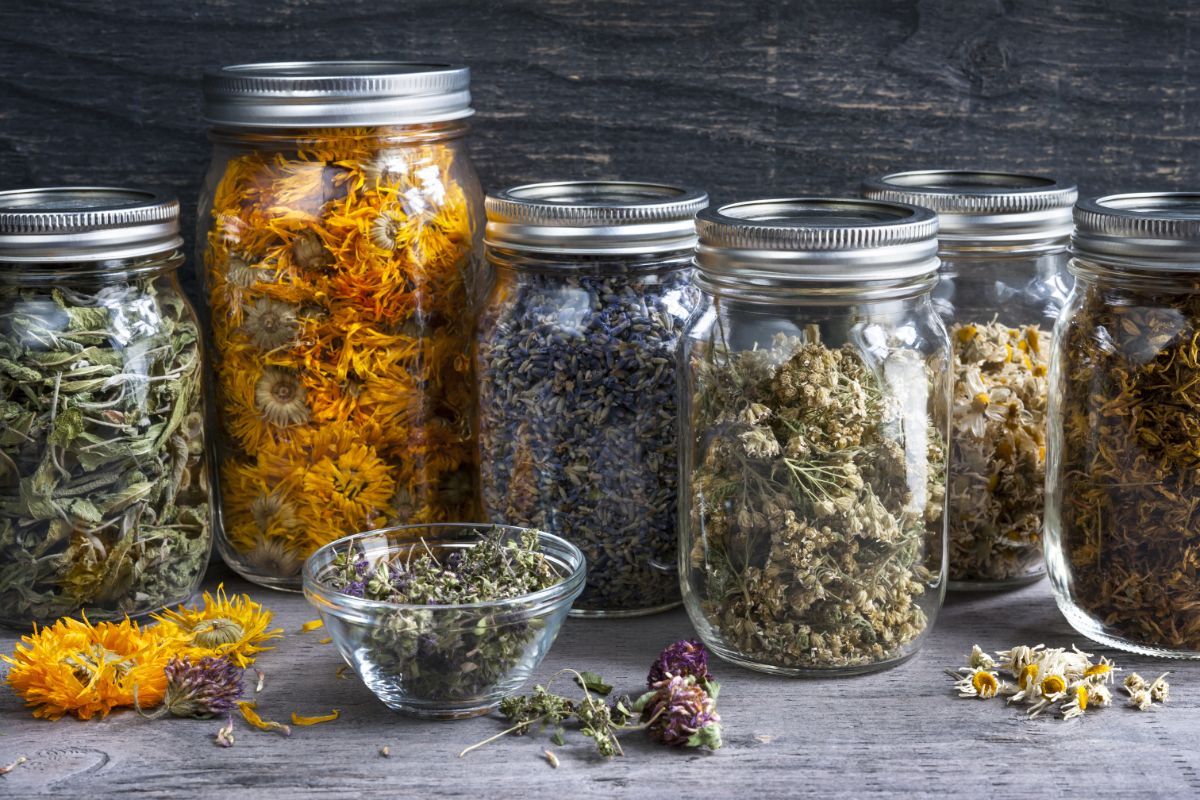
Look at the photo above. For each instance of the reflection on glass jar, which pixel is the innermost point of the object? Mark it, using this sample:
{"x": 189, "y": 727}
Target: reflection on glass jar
{"x": 1124, "y": 449}
{"x": 339, "y": 250}
{"x": 575, "y": 354}
{"x": 814, "y": 407}
{"x": 104, "y": 484}
{"x": 1003, "y": 280}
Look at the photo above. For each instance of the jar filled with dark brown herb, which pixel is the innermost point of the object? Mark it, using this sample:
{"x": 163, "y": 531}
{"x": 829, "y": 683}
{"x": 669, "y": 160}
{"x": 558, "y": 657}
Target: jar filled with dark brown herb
{"x": 104, "y": 486}
{"x": 575, "y": 356}
{"x": 816, "y": 390}
{"x": 1123, "y": 486}
{"x": 1003, "y": 244}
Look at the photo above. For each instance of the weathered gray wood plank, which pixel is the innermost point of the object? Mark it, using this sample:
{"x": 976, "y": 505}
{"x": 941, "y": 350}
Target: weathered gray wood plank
{"x": 899, "y": 732}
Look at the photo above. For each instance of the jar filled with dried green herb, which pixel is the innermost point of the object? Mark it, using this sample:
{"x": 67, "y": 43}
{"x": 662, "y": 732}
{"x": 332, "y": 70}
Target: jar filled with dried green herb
{"x": 1123, "y": 485}
{"x": 575, "y": 357}
{"x": 816, "y": 390}
{"x": 104, "y": 486}
{"x": 1003, "y": 244}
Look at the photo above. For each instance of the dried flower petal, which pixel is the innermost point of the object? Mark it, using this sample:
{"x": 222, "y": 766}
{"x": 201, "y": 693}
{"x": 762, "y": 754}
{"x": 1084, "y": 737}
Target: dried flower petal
{"x": 311, "y": 625}
{"x": 305, "y": 721}
{"x": 10, "y": 767}
{"x": 247, "y": 707}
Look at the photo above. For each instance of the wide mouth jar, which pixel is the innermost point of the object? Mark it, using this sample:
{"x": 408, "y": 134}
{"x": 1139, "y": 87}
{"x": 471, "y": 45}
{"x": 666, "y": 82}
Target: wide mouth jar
{"x": 442, "y": 661}
{"x": 986, "y": 213}
{"x": 1121, "y": 484}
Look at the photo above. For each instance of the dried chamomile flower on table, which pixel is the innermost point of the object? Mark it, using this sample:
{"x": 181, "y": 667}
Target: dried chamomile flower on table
{"x": 997, "y": 460}
{"x": 1047, "y": 679}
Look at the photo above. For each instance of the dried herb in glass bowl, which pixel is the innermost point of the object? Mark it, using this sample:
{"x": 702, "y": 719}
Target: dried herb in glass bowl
{"x": 444, "y": 620}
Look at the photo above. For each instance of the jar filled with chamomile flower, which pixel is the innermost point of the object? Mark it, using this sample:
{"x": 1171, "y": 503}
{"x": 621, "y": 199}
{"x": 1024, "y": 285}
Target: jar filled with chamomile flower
{"x": 339, "y": 234}
{"x": 1003, "y": 244}
{"x": 814, "y": 392}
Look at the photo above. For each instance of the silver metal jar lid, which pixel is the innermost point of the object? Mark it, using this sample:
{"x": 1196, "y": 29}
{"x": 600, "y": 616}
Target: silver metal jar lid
{"x": 785, "y": 242}
{"x": 984, "y": 208}
{"x": 594, "y": 218}
{"x": 1151, "y": 230}
{"x": 86, "y": 223}
{"x": 307, "y": 94}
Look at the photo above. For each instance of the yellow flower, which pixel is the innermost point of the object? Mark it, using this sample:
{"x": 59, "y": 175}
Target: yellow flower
{"x": 235, "y": 628}
{"x": 74, "y": 667}
{"x": 279, "y": 397}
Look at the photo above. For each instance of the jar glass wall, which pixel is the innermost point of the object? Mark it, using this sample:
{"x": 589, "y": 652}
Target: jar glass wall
{"x": 814, "y": 403}
{"x": 1123, "y": 486}
{"x": 105, "y": 497}
{"x": 339, "y": 256}
{"x": 575, "y": 353}
{"x": 1003, "y": 280}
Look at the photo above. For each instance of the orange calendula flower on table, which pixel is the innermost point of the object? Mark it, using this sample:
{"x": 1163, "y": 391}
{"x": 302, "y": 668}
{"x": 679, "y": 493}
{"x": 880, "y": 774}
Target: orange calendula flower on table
{"x": 340, "y": 269}
{"x": 85, "y": 670}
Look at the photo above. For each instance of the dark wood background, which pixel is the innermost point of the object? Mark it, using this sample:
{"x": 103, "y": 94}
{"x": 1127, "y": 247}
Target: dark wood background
{"x": 743, "y": 97}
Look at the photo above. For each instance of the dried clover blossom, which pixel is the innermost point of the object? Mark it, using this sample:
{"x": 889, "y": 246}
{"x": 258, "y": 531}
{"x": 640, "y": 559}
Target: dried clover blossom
{"x": 686, "y": 657}
{"x": 997, "y": 459}
{"x": 201, "y": 689}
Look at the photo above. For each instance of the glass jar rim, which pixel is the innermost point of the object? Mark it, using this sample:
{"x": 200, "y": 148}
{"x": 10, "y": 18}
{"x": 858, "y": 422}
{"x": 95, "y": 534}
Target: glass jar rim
{"x": 316, "y": 94}
{"x": 86, "y": 224}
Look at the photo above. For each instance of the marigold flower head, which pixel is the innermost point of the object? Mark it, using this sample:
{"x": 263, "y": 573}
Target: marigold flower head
{"x": 74, "y": 667}
{"x": 234, "y": 628}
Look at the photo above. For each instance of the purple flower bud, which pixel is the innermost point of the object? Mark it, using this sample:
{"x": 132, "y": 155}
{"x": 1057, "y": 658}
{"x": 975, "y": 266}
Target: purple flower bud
{"x": 686, "y": 657}
{"x": 203, "y": 689}
{"x": 682, "y": 712}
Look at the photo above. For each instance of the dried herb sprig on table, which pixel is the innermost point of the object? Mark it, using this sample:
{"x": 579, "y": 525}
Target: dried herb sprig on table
{"x": 451, "y": 654}
{"x": 997, "y": 461}
{"x": 679, "y": 708}
{"x": 815, "y": 527}
{"x": 104, "y": 497}
{"x": 1130, "y": 463}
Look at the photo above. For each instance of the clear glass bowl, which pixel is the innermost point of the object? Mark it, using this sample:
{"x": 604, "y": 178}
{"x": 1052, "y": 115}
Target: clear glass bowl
{"x": 442, "y": 662}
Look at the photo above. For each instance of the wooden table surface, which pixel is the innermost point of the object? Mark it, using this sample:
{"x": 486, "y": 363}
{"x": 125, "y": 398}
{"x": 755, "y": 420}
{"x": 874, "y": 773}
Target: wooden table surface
{"x": 901, "y": 732}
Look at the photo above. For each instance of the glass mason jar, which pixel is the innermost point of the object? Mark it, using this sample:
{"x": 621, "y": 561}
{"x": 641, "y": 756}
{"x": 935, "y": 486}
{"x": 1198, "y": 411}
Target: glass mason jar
{"x": 575, "y": 353}
{"x": 1123, "y": 483}
{"x": 1003, "y": 243}
{"x": 339, "y": 231}
{"x": 814, "y": 396}
{"x": 104, "y": 487}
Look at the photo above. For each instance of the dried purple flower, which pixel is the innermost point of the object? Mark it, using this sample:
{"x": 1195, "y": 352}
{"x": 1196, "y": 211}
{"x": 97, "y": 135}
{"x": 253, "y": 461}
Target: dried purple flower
{"x": 686, "y": 657}
{"x": 202, "y": 689}
{"x": 683, "y": 711}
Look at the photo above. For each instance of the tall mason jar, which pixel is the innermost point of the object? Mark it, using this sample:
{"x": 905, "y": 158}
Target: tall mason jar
{"x": 575, "y": 353}
{"x": 338, "y": 233}
{"x": 815, "y": 388}
{"x": 105, "y": 496}
{"x": 1123, "y": 483}
{"x": 1003, "y": 243}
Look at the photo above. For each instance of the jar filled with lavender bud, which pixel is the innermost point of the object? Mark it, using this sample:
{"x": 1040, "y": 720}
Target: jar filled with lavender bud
{"x": 575, "y": 353}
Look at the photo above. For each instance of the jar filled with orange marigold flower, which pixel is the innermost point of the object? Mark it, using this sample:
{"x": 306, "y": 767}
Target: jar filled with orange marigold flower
{"x": 339, "y": 231}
